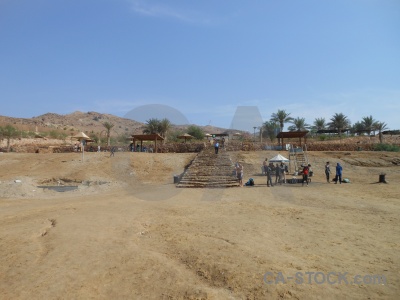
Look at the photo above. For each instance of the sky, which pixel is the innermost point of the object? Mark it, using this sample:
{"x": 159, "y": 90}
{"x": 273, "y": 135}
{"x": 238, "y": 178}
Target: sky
{"x": 205, "y": 58}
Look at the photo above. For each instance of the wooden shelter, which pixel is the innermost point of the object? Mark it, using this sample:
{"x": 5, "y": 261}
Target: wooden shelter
{"x": 292, "y": 134}
{"x": 82, "y": 138}
{"x": 185, "y": 136}
{"x": 146, "y": 137}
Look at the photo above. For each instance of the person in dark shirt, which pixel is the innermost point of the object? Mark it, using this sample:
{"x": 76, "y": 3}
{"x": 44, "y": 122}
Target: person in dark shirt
{"x": 305, "y": 172}
{"x": 339, "y": 171}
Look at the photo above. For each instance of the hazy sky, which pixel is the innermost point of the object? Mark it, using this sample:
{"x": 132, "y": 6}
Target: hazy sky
{"x": 312, "y": 58}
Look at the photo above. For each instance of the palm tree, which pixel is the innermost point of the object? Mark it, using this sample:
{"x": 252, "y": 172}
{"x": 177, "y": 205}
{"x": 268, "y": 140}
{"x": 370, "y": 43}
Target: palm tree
{"x": 281, "y": 117}
{"x": 368, "y": 123}
{"x": 380, "y": 126}
{"x": 299, "y": 124}
{"x": 108, "y": 127}
{"x": 9, "y": 133}
{"x": 164, "y": 126}
{"x": 339, "y": 122}
{"x": 358, "y": 128}
{"x": 152, "y": 126}
{"x": 269, "y": 130}
{"x": 319, "y": 123}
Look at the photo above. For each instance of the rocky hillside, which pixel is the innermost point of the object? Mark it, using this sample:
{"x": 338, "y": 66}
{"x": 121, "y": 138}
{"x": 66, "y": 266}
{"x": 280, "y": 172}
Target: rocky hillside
{"x": 90, "y": 122}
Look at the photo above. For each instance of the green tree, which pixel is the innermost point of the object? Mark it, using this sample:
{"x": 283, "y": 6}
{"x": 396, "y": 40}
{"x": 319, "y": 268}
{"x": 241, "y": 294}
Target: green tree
{"x": 164, "y": 126}
{"x": 281, "y": 117}
{"x": 380, "y": 126}
{"x": 152, "y": 126}
{"x": 358, "y": 128}
{"x": 368, "y": 123}
{"x": 299, "y": 124}
{"x": 172, "y": 135}
{"x": 319, "y": 123}
{"x": 9, "y": 132}
{"x": 339, "y": 122}
{"x": 270, "y": 129}
{"x": 196, "y": 131}
{"x": 108, "y": 126}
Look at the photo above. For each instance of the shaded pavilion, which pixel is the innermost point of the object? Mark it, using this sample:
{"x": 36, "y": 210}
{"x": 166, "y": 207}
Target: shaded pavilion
{"x": 185, "y": 136}
{"x": 146, "y": 137}
{"x": 82, "y": 138}
{"x": 291, "y": 135}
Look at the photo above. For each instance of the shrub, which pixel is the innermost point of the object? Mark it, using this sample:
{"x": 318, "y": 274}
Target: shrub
{"x": 386, "y": 147}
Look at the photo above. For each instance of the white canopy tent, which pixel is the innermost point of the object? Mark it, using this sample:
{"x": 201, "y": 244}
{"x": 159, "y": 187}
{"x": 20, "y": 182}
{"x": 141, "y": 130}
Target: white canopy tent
{"x": 279, "y": 158}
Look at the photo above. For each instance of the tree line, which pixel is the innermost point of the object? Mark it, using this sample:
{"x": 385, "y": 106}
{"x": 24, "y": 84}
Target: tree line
{"x": 338, "y": 122}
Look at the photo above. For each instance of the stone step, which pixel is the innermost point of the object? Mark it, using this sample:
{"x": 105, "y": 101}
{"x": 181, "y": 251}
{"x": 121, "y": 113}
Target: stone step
{"x": 209, "y": 170}
{"x": 205, "y": 185}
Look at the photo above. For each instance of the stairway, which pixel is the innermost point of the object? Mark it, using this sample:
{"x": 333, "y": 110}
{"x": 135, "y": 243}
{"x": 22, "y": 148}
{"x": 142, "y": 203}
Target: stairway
{"x": 300, "y": 160}
{"x": 298, "y": 157}
{"x": 209, "y": 170}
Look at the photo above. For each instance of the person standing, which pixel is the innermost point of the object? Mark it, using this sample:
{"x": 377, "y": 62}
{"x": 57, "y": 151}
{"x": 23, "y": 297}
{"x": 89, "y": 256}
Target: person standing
{"x": 305, "y": 175}
{"x": 264, "y": 167}
{"x": 216, "y": 147}
{"x": 327, "y": 171}
{"x": 283, "y": 172}
{"x": 339, "y": 171}
{"x": 239, "y": 173}
{"x": 269, "y": 174}
{"x": 112, "y": 150}
{"x": 277, "y": 174}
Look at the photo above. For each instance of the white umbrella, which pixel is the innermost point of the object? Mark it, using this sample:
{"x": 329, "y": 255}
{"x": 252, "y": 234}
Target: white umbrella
{"x": 278, "y": 158}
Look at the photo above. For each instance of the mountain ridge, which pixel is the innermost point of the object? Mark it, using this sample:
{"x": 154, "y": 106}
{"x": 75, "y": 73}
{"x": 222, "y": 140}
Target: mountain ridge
{"x": 88, "y": 122}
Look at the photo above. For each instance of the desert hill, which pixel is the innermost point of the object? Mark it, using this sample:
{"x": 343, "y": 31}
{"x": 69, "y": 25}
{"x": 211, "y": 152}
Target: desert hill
{"x": 89, "y": 122}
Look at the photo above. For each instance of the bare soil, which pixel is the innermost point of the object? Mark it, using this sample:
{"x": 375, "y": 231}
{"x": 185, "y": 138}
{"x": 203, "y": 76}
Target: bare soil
{"x": 127, "y": 232}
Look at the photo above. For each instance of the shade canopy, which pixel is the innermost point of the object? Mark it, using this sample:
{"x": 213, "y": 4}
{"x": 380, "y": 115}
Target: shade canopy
{"x": 186, "y": 136}
{"x": 147, "y": 137}
{"x": 279, "y": 158}
{"x": 81, "y": 136}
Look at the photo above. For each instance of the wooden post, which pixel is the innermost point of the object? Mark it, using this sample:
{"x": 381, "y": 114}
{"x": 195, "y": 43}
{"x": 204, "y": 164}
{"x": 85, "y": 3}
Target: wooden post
{"x": 155, "y": 144}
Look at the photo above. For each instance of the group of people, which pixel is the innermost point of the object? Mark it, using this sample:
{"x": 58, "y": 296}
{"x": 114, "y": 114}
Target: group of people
{"x": 140, "y": 149}
{"x": 339, "y": 172}
{"x": 280, "y": 171}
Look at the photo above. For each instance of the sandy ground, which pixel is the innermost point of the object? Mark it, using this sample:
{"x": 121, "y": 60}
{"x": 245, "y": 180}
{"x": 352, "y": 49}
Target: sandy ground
{"x": 128, "y": 233}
